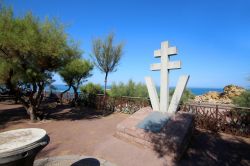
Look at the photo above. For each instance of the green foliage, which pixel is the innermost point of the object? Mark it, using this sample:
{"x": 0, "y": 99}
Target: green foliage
{"x": 243, "y": 100}
{"x": 8, "y": 75}
{"x": 76, "y": 71}
{"x": 89, "y": 93}
{"x": 32, "y": 50}
{"x": 4, "y": 71}
{"x": 106, "y": 56}
{"x": 36, "y": 47}
{"x": 130, "y": 89}
{"x": 187, "y": 95}
{"x": 91, "y": 89}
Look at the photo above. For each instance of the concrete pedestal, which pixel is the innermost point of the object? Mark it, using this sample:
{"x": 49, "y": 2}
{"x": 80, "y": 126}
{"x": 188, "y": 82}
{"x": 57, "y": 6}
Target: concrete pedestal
{"x": 171, "y": 141}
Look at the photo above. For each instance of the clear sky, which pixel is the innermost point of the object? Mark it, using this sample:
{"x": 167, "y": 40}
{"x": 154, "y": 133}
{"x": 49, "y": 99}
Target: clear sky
{"x": 212, "y": 36}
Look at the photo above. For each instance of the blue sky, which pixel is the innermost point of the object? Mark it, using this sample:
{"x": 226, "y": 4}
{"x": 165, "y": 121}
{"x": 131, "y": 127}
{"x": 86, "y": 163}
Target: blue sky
{"x": 212, "y": 37}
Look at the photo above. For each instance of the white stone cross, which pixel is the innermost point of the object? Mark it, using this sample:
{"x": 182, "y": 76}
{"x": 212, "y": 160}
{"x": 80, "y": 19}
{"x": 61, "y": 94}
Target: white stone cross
{"x": 165, "y": 66}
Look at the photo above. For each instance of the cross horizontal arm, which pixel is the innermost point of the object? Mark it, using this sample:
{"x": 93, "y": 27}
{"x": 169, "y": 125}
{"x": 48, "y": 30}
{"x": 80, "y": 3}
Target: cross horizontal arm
{"x": 155, "y": 67}
{"x": 171, "y": 51}
{"x": 171, "y": 65}
{"x": 157, "y": 53}
{"x": 174, "y": 65}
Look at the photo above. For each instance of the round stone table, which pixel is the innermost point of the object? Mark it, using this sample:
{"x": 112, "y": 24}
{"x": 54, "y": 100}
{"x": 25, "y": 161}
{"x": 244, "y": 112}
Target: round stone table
{"x": 20, "y": 147}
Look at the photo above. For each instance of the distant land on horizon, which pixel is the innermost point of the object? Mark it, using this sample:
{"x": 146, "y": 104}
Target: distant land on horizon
{"x": 194, "y": 90}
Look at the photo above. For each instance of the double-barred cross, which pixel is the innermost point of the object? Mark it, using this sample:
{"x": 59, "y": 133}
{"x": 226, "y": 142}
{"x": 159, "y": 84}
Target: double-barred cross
{"x": 165, "y": 66}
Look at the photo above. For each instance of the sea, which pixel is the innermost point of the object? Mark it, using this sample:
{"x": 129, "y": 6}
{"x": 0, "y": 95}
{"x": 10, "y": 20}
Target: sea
{"x": 195, "y": 91}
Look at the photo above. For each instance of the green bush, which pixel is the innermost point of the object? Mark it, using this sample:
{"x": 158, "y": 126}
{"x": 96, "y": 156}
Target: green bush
{"x": 130, "y": 89}
{"x": 243, "y": 100}
{"x": 89, "y": 93}
{"x": 91, "y": 88}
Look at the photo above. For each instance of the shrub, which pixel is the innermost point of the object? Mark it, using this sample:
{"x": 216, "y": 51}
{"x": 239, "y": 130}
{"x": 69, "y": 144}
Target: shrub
{"x": 89, "y": 93}
{"x": 130, "y": 89}
{"x": 243, "y": 100}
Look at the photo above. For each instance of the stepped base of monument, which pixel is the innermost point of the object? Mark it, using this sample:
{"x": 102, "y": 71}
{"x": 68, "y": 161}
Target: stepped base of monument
{"x": 170, "y": 142}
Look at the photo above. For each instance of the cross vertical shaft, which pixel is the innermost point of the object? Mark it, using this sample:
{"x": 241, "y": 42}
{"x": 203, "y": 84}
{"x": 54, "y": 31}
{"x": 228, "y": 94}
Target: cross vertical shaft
{"x": 164, "y": 89}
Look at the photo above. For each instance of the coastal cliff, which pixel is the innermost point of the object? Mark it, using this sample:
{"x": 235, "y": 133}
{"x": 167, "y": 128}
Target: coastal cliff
{"x": 225, "y": 97}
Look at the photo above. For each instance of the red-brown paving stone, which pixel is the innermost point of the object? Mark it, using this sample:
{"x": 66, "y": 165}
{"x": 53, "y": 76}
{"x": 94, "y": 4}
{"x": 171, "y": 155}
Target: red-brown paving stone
{"x": 92, "y": 137}
{"x": 95, "y": 137}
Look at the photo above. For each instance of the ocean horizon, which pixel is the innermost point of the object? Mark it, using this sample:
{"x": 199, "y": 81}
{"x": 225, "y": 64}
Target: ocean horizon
{"x": 194, "y": 90}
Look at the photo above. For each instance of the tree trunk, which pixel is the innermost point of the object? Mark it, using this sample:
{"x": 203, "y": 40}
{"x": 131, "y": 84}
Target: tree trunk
{"x": 75, "y": 96}
{"x": 9, "y": 84}
{"x": 39, "y": 96}
{"x": 30, "y": 109}
{"x": 105, "y": 93}
{"x": 105, "y": 84}
{"x": 33, "y": 103}
{"x": 32, "y": 112}
{"x": 61, "y": 95}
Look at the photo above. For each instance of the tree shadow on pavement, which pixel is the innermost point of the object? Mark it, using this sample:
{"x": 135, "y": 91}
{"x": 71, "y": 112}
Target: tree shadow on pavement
{"x": 204, "y": 147}
{"x": 212, "y": 149}
{"x": 13, "y": 114}
{"x": 66, "y": 112}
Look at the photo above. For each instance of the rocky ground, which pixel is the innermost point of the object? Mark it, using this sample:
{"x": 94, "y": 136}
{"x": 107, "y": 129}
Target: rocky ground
{"x": 229, "y": 92}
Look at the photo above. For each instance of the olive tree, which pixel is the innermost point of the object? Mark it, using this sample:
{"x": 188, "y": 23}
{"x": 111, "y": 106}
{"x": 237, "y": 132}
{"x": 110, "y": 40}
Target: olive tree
{"x": 107, "y": 56}
{"x": 37, "y": 49}
{"x": 74, "y": 73}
